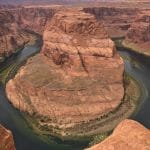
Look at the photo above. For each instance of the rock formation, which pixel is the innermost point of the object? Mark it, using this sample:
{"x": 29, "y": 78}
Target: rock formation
{"x": 6, "y": 139}
{"x": 15, "y": 21}
{"x": 138, "y": 35}
{"x": 131, "y": 23}
{"x": 128, "y": 135}
{"x": 12, "y": 37}
{"x": 34, "y": 18}
{"x": 116, "y": 20}
{"x": 74, "y": 80}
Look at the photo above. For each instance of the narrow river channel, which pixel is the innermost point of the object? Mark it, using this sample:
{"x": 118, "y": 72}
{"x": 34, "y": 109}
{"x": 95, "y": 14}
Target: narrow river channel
{"x": 25, "y": 138}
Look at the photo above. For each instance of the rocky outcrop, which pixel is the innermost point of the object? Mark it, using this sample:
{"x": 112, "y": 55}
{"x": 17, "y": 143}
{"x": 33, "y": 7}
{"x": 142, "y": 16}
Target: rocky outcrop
{"x": 73, "y": 82}
{"x": 6, "y": 139}
{"x": 12, "y": 38}
{"x": 138, "y": 35}
{"x": 128, "y": 135}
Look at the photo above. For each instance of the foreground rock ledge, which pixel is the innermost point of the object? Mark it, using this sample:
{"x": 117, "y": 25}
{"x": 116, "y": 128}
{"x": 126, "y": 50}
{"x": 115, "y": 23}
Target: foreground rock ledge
{"x": 128, "y": 135}
{"x": 77, "y": 78}
{"x": 6, "y": 139}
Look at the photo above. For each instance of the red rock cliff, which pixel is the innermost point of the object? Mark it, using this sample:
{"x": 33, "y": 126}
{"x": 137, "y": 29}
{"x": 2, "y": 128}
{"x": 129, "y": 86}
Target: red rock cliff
{"x": 116, "y": 19}
{"x": 11, "y": 36}
{"x": 34, "y": 18}
{"x": 138, "y": 35}
{"x": 14, "y": 22}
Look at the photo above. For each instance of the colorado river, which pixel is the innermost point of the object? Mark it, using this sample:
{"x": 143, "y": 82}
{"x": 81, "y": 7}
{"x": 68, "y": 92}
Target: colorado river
{"x": 137, "y": 66}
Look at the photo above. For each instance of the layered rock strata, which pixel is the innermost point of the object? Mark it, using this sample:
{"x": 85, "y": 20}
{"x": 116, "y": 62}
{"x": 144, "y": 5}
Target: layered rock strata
{"x": 77, "y": 78}
{"x": 16, "y": 21}
{"x": 12, "y": 38}
{"x": 116, "y": 20}
{"x": 138, "y": 35}
{"x": 6, "y": 139}
{"x": 34, "y": 18}
{"x": 128, "y": 135}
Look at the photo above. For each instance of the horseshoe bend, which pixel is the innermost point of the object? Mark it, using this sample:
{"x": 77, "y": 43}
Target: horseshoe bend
{"x": 77, "y": 77}
{"x": 80, "y": 85}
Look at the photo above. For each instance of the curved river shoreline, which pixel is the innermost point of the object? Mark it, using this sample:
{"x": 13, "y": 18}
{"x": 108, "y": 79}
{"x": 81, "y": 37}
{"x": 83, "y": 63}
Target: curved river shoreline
{"x": 138, "y": 66}
{"x": 135, "y": 65}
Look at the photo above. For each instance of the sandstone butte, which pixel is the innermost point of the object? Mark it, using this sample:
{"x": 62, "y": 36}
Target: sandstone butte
{"x": 6, "y": 139}
{"x": 77, "y": 77}
{"x": 128, "y": 135}
{"x": 138, "y": 35}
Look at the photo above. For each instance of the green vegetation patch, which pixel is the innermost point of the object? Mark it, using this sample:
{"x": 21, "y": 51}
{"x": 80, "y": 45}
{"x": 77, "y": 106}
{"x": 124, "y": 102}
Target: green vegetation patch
{"x": 4, "y": 74}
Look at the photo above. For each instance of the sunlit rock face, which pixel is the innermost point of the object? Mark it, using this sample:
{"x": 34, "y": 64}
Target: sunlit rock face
{"x": 6, "y": 139}
{"x": 127, "y": 135}
{"x": 77, "y": 77}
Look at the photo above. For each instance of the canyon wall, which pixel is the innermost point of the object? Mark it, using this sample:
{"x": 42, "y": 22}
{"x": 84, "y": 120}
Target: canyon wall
{"x": 6, "y": 139}
{"x": 116, "y": 20}
{"x": 131, "y": 23}
{"x": 128, "y": 135}
{"x": 15, "y": 22}
{"x": 34, "y": 18}
{"x": 12, "y": 38}
{"x": 72, "y": 83}
{"x": 138, "y": 35}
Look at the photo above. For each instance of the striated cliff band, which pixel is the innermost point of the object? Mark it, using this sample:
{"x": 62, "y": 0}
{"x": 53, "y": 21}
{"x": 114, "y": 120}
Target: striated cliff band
{"x": 138, "y": 35}
{"x": 34, "y": 18}
{"x": 117, "y": 20}
{"x": 6, "y": 139}
{"x": 75, "y": 80}
{"x": 128, "y": 135}
{"x": 17, "y": 24}
{"x": 12, "y": 38}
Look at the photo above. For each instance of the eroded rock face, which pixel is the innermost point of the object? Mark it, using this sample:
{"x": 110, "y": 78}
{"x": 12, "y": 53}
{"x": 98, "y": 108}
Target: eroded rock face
{"x": 34, "y": 18}
{"x": 116, "y": 20}
{"x": 6, "y": 139}
{"x": 75, "y": 78}
{"x": 128, "y": 135}
{"x": 11, "y": 36}
{"x": 14, "y": 22}
{"x": 138, "y": 35}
